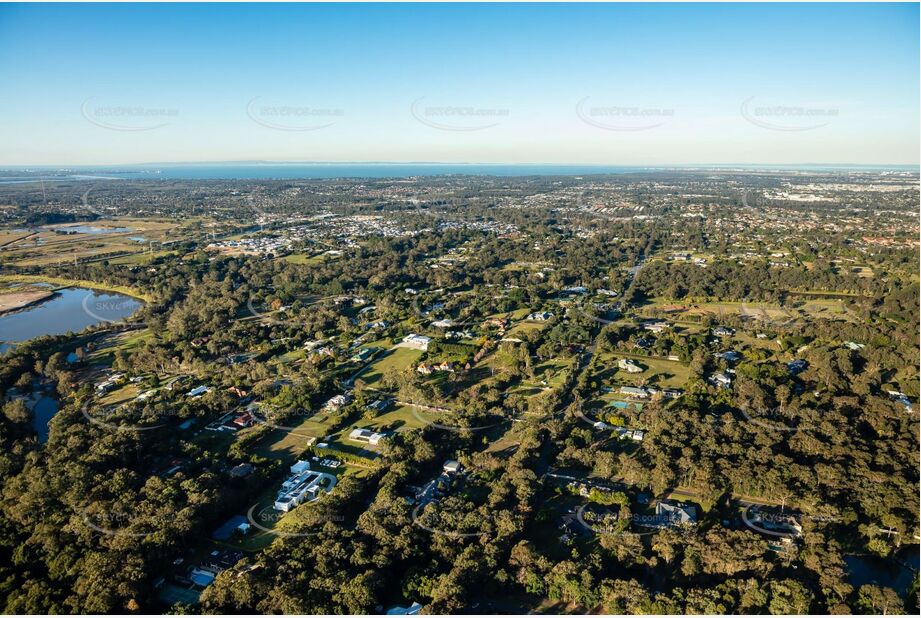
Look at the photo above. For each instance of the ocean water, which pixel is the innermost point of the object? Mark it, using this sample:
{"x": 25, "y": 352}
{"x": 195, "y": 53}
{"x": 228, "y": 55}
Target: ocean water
{"x": 292, "y": 171}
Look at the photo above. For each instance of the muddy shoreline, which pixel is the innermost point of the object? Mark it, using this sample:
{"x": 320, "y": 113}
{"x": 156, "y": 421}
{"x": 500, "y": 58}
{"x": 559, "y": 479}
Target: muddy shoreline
{"x": 11, "y": 302}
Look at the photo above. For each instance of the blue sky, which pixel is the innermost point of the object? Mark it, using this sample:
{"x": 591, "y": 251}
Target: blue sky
{"x": 650, "y": 84}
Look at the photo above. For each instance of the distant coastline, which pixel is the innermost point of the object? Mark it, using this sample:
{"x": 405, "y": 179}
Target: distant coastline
{"x": 262, "y": 170}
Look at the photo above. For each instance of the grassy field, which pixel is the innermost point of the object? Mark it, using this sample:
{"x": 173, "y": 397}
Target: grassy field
{"x": 549, "y": 374}
{"x": 523, "y": 327}
{"x": 395, "y": 358}
{"x": 828, "y": 308}
{"x": 657, "y": 372}
{"x": 290, "y": 357}
{"x": 111, "y": 343}
{"x": 8, "y": 236}
{"x": 63, "y": 283}
{"x": 813, "y": 307}
{"x": 399, "y": 418}
{"x": 43, "y": 245}
{"x": 299, "y": 433}
{"x": 119, "y": 396}
{"x": 304, "y": 258}
{"x": 140, "y": 258}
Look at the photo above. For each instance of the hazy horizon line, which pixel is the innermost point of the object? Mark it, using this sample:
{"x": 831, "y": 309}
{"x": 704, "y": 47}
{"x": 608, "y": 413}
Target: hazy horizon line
{"x": 257, "y": 162}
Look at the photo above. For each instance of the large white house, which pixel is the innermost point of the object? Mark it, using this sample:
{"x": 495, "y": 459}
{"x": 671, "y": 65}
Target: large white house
{"x": 417, "y": 342}
{"x": 366, "y": 435}
{"x": 300, "y": 486}
{"x": 633, "y": 391}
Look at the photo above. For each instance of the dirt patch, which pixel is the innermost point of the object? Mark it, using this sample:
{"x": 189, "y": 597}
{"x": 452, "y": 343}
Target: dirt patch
{"x": 11, "y": 301}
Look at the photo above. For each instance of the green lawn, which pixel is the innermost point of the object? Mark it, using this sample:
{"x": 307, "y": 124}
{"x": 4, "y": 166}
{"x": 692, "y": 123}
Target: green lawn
{"x": 301, "y": 432}
{"x": 290, "y": 357}
{"x": 119, "y": 396}
{"x": 304, "y": 258}
{"x": 111, "y": 343}
{"x": 813, "y": 306}
{"x": 139, "y": 258}
{"x": 398, "y": 418}
{"x": 61, "y": 282}
{"x": 398, "y": 358}
{"x": 657, "y": 372}
{"x": 522, "y": 327}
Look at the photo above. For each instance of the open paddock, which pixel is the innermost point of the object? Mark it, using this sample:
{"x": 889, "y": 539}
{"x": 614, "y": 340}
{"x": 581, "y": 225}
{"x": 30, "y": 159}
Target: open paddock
{"x": 657, "y": 372}
{"x": 398, "y": 359}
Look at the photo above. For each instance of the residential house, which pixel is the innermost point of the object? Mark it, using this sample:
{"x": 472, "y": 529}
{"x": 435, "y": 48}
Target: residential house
{"x": 427, "y": 369}
{"x": 198, "y": 391}
{"x": 901, "y": 398}
{"x": 499, "y": 323}
{"x": 338, "y": 402}
{"x": 244, "y": 420}
{"x": 241, "y": 471}
{"x": 632, "y": 391}
{"x": 366, "y": 435}
{"x": 397, "y": 610}
{"x": 239, "y": 392}
{"x": 299, "y": 487}
{"x": 672, "y": 514}
{"x": 379, "y": 405}
{"x": 631, "y": 434}
{"x": 417, "y": 342}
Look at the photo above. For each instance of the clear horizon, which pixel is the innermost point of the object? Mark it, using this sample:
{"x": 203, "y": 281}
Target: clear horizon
{"x": 655, "y": 85}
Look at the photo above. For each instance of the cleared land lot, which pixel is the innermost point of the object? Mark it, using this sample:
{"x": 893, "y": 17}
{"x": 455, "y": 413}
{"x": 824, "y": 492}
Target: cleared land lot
{"x": 119, "y": 396}
{"x": 109, "y": 344}
{"x": 394, "y": 358}
{"x": 298, "y": 433}
{"x": 398, "y": 418}
{"x": 656, "y": 372}
{"x": 305, "y": 258}
{"x": 524, "y": 326}
{"x": 801, "y": 306}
